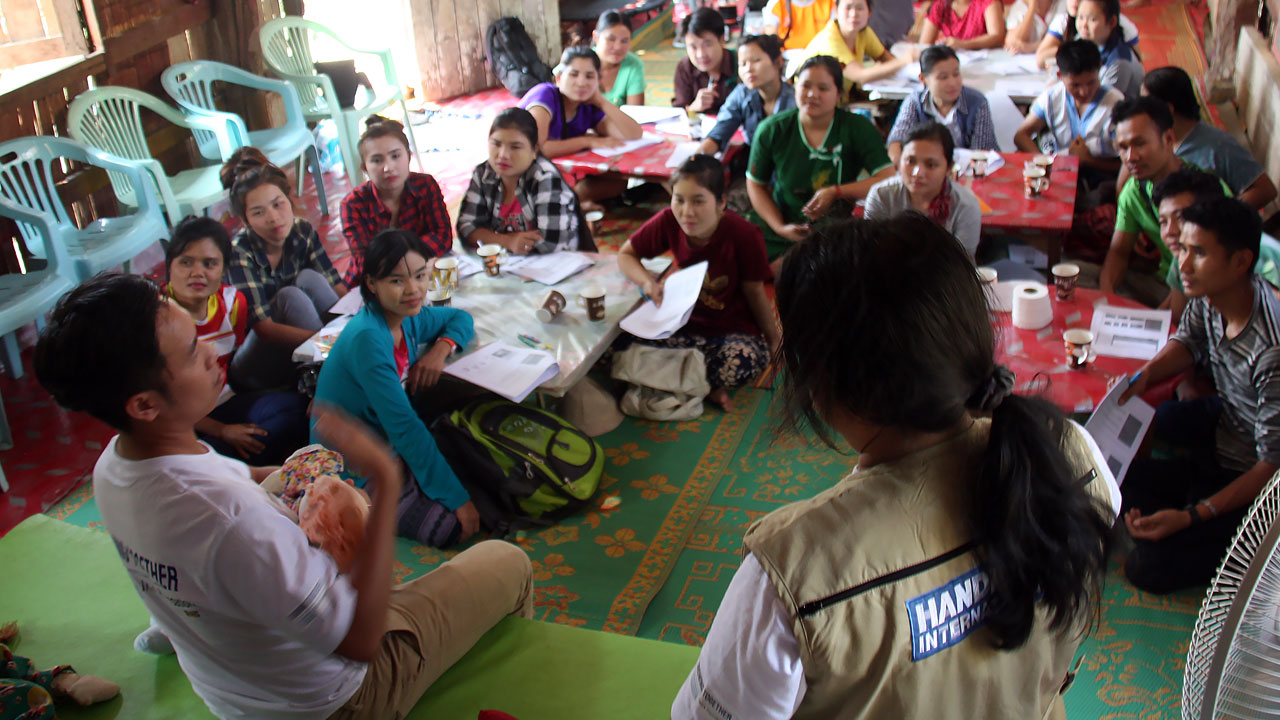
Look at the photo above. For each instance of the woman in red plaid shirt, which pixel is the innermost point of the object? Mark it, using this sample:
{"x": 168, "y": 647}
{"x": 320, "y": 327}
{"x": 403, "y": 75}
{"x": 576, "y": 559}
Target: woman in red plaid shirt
{"x": 393, "y": 197}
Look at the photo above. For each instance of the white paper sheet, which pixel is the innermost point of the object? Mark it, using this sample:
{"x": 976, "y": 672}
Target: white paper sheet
{"x": 512, "y": 372}
{"x": 1029, "y": 256}
{"x": 682, "y": 152}
{"x": 1119, "y": 429}
{"x": 550, "y": 268}
{"x": 1022, "y": 87}
{"x": 679, "y": 293}
{"x": 348, "y": 304}
{"x": 971, "y": 56}
{"x": 643, "y": 141}
{"x": 468, "y": 266}
{"x": 1129, "y": 332}
{"x": 645, "y": 114}
{"x": 1016, "y": 65}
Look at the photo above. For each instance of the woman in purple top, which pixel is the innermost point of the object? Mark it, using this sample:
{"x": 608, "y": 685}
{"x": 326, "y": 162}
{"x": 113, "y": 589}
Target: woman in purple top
{"x": 571, "y": 107}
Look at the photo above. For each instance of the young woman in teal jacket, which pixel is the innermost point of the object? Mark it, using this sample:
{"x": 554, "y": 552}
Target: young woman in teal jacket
{"x": 391, "y": 349}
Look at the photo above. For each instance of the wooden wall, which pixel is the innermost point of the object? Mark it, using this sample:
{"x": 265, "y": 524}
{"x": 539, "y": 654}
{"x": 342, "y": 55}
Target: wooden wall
{"x": 448, "y": 38}
{"x": 138, "y": 39}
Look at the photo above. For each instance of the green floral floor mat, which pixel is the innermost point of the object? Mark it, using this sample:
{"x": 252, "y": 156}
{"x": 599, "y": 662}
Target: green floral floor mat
{"x": 655, "y": 562}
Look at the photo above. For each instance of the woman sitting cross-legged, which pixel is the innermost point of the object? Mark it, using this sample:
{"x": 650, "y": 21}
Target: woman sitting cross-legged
{"x": 923, "y": 184}
{"x": 393, "y": 348}
{"x": 961, "y": 561}
{"x": 262, "y": 428}
{"x": 282, "y": 269}
{"x": 805, "y": 162}
{"x": 944, "y": 98}
{"x": 518, "y": 198}
{"x": 570, "y": 109}
{"x": 393, "y": 197}
{"x": 732, "y": 322}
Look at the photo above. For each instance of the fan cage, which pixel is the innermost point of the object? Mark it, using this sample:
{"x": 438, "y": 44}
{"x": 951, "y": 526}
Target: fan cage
{"x": 1233, "y": 662}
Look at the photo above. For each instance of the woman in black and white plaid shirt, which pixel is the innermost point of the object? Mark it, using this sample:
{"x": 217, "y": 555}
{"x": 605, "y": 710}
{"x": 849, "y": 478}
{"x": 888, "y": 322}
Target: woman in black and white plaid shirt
{"x": 518, "y": 198}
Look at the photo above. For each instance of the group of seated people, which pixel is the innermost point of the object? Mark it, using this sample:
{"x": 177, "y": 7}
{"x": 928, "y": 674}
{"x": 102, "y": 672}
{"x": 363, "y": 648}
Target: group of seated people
{"x": 882, "y": 329}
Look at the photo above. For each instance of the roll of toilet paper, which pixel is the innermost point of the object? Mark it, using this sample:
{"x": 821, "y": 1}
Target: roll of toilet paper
{"x": 1031, "y": 307}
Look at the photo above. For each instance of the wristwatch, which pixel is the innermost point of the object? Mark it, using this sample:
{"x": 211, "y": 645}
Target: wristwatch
{"x": 1195, "y": 516}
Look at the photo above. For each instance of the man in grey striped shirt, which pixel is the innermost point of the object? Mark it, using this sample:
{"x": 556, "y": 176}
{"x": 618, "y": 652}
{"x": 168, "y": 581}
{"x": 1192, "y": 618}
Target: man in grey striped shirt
{"x": 1183, "y": 513}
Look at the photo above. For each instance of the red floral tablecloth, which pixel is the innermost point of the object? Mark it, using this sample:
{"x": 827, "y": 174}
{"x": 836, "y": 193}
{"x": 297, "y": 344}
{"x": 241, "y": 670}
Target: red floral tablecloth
{"x": 1038, "y": 357}
{"x": 1013, "y": 211}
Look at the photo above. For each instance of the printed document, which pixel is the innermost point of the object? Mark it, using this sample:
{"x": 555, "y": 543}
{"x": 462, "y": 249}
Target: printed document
{"x": 548, "y": 269}
{"x": 1119, "y": 429}
{"x": 679, "y": 293}
{"x": 643, "y": 141}
{"x": 512, "y": 372}
{"x": 1129, "y": 332}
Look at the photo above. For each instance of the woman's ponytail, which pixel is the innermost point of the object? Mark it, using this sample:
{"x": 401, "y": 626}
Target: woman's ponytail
{"x": 1040, "y": 539}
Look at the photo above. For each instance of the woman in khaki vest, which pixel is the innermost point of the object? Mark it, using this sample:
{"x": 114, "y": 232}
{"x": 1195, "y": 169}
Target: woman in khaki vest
{"x": 953, "y": 573}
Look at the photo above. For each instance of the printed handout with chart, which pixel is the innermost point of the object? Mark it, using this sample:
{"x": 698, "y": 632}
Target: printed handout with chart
{"x": 679, "y": 292}
{"x": 1129, "y": 332}
{"x": 550, "y": 268}
{"x": 509, "y": 371}
{"x": 1119, "y": 429}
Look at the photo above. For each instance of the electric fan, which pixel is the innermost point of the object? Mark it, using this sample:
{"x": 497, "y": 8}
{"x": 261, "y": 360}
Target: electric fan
{"x": 1233, "y": 664}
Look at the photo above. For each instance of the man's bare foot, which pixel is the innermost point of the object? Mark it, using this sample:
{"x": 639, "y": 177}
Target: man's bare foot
{"x": 720, "y": 396}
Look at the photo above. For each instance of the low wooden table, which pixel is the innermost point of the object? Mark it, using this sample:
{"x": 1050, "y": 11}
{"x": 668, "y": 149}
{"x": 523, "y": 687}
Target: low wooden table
{"x": 1043, "y": 220}
{"x": 1038, "y": 357}
{"x": 503, "y": 308}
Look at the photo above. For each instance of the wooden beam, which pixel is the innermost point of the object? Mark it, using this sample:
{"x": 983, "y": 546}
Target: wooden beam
{"x": 153, "y": 32}
{"x": 54, "y": 82}
{"x": 1226, "y": 19}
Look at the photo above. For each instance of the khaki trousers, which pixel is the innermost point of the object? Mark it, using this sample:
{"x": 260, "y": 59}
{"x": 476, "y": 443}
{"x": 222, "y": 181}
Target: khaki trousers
{"x": 433, "y": 621}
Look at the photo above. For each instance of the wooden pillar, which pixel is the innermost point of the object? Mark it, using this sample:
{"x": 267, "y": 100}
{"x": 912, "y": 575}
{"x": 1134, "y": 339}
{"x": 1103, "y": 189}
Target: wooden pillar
{"x": 1226, "y": 17}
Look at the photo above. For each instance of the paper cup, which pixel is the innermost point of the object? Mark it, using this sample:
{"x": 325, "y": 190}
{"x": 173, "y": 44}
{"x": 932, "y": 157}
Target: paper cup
{"x": 1035, "y": 181}
{"x": 440, "y": 297}
{"x": 444, "y": 274}
{"x": 592, "y": 298}
{"x": 1065, "y": 276}
{"x": 594, "y": 220}
{"x": 988, "y": 276}
{"x": 1045, "y": 163}
{"x": 978, "y": 163}
{"x": 494, "y": 256}
{"x": 1078, "y": 342}
{"x": 551, "y": 307}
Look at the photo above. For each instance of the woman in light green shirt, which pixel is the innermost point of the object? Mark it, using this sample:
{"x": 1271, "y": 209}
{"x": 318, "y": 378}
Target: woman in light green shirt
{"x": 621, "y": 71}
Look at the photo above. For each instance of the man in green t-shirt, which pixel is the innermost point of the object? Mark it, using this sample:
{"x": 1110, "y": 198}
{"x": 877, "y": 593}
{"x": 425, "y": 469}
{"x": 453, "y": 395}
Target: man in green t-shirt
{"x": 1144, "y": 138}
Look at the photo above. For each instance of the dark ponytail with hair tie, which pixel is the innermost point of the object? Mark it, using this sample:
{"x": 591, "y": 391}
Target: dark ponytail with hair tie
{"x": 887, "y": 322}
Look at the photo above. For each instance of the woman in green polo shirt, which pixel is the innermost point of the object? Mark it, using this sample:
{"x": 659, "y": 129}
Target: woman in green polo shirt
{"x": 805, "y": 162}
{"x": 621, "y": 71}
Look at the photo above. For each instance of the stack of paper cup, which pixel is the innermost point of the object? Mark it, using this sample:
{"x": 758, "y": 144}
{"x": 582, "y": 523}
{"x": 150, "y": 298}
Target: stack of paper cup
{"x": 1031, "y": 307}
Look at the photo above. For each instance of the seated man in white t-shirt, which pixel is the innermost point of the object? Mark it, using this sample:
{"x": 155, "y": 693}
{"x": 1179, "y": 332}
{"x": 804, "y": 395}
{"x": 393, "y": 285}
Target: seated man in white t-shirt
{"x": 262, "y": 623}
{"x": 1075, "y": 115}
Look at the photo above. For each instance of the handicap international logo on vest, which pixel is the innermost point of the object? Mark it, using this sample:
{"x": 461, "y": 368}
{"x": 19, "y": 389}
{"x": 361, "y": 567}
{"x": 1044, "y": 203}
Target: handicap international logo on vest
{"x": 945, "y": 615}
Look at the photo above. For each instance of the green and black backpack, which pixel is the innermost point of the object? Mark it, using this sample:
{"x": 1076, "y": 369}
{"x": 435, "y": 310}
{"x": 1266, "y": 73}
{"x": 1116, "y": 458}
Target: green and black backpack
{"x": 522, "y": 466}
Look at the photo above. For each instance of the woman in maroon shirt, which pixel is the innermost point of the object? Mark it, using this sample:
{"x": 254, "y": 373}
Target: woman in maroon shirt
{"x": 733, "y": 322}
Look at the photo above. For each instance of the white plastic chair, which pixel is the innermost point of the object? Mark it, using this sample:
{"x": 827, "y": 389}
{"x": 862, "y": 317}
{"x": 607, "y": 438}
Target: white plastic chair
{"x": 286, "y": 47}
{"x": 110, "y": 119}
{"x": 191, "y": 85}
